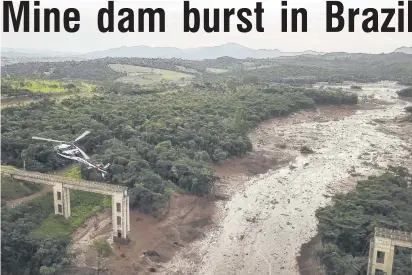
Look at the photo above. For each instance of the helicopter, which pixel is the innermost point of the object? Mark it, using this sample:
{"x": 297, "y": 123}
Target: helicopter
{"x": 68, "y": 150}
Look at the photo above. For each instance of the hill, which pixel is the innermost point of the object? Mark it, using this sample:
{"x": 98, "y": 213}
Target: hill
{"x": 200, "y": 53}
{"x": 407, "y": 50}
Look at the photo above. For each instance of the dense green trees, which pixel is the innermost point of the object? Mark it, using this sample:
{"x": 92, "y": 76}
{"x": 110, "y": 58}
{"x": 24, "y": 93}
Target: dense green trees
{"x": 154, "y": 141}
{"x": 346, "y": 226}
{"x": 21, "y": 254}
{"x": 13, "y": 189}
{"x": 306, "y": 69}
{"x": 405, "y": 92}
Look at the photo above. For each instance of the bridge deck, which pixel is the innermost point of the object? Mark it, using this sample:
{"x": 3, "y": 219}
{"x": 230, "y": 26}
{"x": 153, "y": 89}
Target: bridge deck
{"x": 90, "y": 186}
{"x": 394, "y": 235}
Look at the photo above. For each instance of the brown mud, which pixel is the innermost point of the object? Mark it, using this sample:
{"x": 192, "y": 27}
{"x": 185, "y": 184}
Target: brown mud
{"x": 261, "y": 228}
{"x": 270, "y": 195}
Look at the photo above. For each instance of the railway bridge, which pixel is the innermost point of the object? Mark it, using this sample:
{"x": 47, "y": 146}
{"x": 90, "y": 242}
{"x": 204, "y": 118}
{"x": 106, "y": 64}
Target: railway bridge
{"x": 382, "y": 249}
{"x": 61, "y": 195}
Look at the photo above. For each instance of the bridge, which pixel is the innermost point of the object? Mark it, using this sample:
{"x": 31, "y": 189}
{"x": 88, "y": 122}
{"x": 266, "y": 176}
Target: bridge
{"x": 382, "y": 249}
{"x": 61, "y": 195}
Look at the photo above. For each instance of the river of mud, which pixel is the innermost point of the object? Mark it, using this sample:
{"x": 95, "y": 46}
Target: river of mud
{"x": 261, "y": 228}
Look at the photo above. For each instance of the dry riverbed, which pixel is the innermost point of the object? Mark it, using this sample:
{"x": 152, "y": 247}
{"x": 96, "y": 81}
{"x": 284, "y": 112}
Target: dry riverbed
{"x": 268, "y": 217}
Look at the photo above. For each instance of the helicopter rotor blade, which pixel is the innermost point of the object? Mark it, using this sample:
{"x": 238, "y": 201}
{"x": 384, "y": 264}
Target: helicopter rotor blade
{"x": 84, "y": 154}
{"x": 82, "y": 135}
{"x": 47, "y": 139}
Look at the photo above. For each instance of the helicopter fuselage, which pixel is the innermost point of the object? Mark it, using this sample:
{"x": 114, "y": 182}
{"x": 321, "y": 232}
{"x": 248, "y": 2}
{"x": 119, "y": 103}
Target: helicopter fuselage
{"x": 69, "y": 150}
{"x": 75, "y": 153}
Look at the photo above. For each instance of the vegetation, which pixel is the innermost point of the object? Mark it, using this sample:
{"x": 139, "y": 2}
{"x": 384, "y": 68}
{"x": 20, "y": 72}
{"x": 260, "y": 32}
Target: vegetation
{"x": 34, "y": 240}
{"x": 356, "y": 87}
{"x": 12, "y": 189}
{"x": 103, "y": 250}
{"x": 161, "y": 138}
{"x": 335, "y": 67}
{"x": 148, "y": 76}
{"x": 37, "y": 86}
{"x": 217, "y": 70}
{"x": 83, "y": 205}
{"x": 156, "y": 140}
{"x": 17, "y": 91}
{"x": 346, "y": 226}
{"x": 405, "y": 92}
{"x": 88, "y": 70}
{"x": 22, "y": 254}
{"x": 18, "y": 87}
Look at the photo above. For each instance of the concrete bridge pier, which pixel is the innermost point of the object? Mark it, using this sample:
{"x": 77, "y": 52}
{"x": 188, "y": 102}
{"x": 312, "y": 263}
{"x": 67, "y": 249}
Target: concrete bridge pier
{"x": 382, "y": 249}
{"x": 61, "y": 197}
{"x": 381, "y": 256}
{"x": 121, "y": 216}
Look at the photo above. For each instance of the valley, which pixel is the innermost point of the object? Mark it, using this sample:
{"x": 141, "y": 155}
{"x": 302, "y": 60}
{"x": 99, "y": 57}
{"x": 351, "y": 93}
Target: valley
{"x": 227, "y": 162}
{"x": 270, "y": 216}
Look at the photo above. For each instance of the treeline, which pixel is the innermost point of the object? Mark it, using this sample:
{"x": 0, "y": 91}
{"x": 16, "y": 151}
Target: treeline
{"x": 405, "y": 92}
{"x": 347, "y": 226}
{"x": 8, "y": 91}
{"x": 306, "y": 69}
{"x": 154, "y": 142}
{"x": 23, "y": 255}
{"x": 92, "y": 70}
{"x": 12, "y": 189}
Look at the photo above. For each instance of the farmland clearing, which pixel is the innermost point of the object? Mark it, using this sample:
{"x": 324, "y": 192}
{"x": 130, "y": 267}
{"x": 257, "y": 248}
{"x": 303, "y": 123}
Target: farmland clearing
{"x": 17, "y": 91}
{"x": 147, "y": 76}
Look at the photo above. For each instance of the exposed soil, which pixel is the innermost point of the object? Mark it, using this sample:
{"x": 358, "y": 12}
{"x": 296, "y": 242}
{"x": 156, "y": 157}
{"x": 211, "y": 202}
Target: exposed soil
{"x": 187, "y": 219}
{"x": 268, "y": 217}
{"x": 270, "y": 195}
{"x": 307, "y": 261}
{"x": 95, "y": 227}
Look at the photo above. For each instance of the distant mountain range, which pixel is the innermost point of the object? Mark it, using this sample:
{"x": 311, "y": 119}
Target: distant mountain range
{"x": 200, "y": 53}
{"x": 230, "y": 50}
{"x": 6, "y": 52}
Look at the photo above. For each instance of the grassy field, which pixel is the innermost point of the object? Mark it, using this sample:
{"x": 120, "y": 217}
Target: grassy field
{"x": 47, "y": 86}
{"x": 37, "y": 85}
{"x": 25, "y": 91}
{"x": 83, "y": 205}
{"x": 12, "y": 189}
{"x": 8, "y": 167}
{"x": 147, "y": 76}
{"x": 216, "y": 70}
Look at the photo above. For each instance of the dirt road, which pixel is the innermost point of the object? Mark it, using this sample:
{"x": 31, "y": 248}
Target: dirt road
{"x": 46, "y": 189}
{"x": 261, "y": 228}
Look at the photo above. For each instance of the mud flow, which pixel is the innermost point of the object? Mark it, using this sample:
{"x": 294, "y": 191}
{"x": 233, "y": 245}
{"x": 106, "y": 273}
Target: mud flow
{"x": 268, "y": 217}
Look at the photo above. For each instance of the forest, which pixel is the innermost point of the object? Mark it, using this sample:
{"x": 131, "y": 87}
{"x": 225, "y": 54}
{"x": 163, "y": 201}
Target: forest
{"x": 305, "y": 69}
{"x": 154, "y": 142}
{"x": 159, "y": 139}
{"x": 346, "y": 226}
{"x": 405, "y": 92}
{"x": 157, "y": 142}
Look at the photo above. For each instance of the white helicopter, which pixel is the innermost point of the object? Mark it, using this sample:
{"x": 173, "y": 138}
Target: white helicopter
{"x": 69, "y": 150}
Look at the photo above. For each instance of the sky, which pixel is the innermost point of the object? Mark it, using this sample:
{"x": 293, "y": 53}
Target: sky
{"x": 88, "y": 38}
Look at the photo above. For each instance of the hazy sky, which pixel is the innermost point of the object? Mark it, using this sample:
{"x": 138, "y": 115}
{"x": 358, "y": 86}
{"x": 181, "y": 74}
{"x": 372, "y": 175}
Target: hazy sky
{"x": 88, "y": 38}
